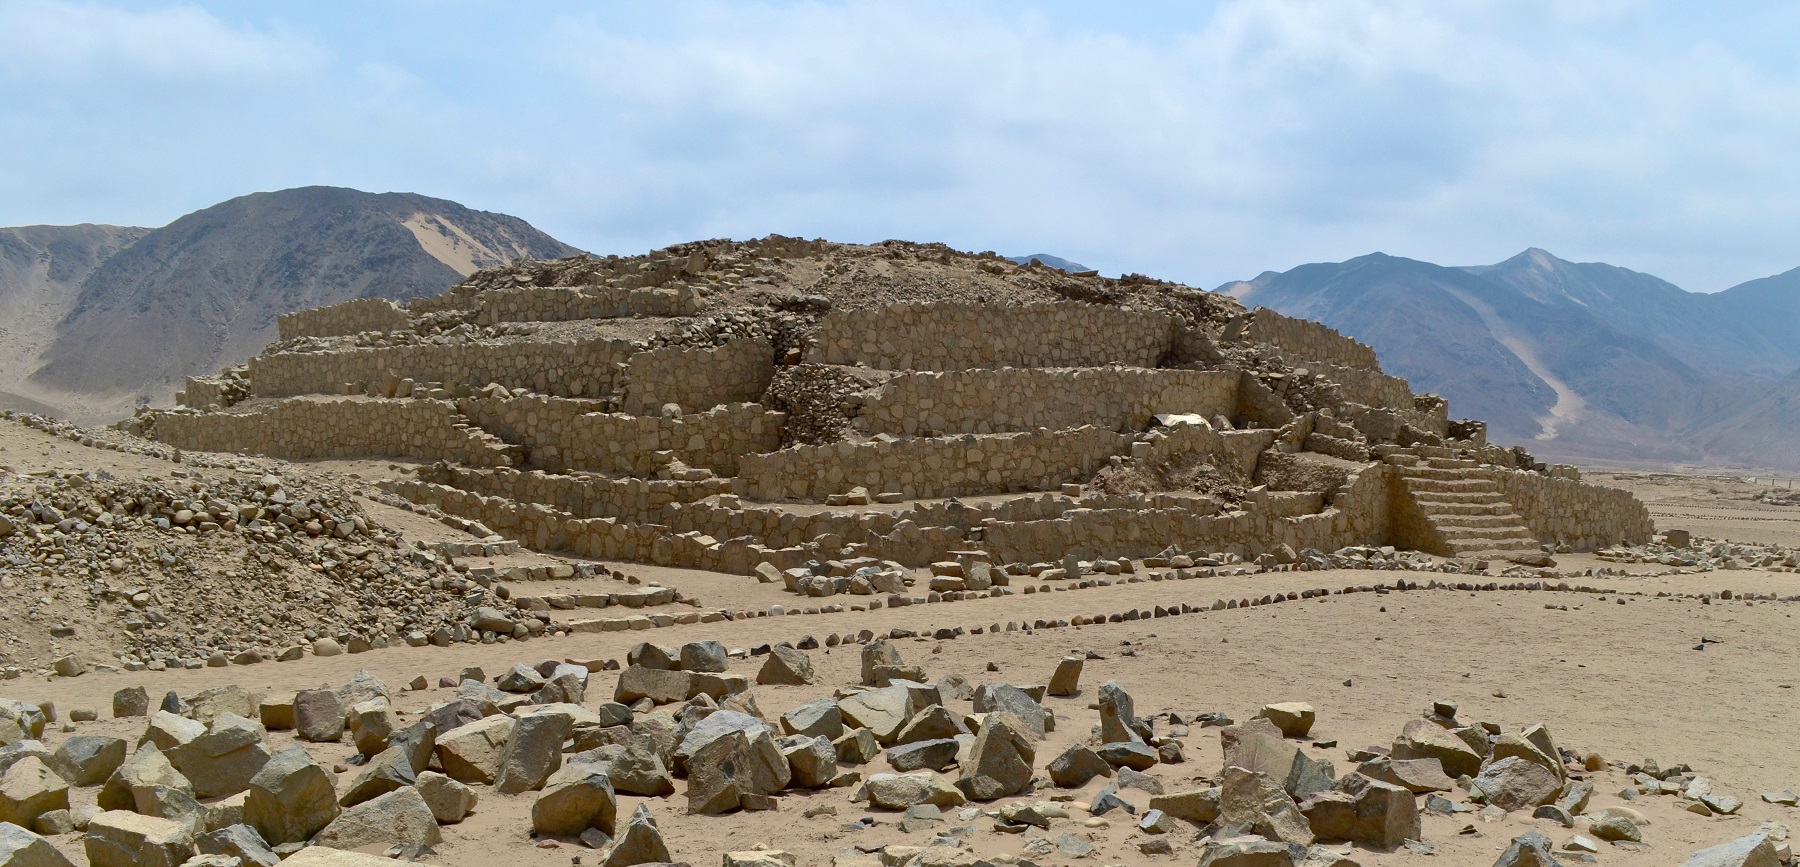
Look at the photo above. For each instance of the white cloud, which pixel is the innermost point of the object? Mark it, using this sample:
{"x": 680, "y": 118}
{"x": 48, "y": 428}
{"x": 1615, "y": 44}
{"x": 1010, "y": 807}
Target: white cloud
{"x": 1202, "y": 143}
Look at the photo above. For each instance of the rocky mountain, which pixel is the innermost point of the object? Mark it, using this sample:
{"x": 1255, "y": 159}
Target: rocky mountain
{"x": 41, "y": 271}
{"x": 135, "y": 311}
{"x": 1581, "y": 359}
{"x": 1048, "y": 260}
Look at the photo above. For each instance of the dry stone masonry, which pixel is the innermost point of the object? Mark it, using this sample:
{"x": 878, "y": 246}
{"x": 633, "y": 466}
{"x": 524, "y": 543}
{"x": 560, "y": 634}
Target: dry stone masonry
{"x": 779, "y": 403}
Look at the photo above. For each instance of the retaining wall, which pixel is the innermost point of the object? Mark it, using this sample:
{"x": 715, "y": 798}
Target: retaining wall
{"x": 964, "y": 465}
{"x": 1305, "y": 340}
{"x": 1021, "y": 399}
{"x": 737, "y": 371}
{"x": 561, "y": 434}
{"x": 304, "y": 429}
{"x": 571, "y": 369}
{"x": 201, "y": 392}
{"x": 946, "y": 335}
{"x": 350, "y": 317}
{"x": 1584, "y": 515}
{"x": 568, "y": 303}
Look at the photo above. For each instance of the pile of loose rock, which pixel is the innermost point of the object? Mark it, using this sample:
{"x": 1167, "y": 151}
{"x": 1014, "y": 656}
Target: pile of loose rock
{"x": 190, "y": 570}
{"x": 1679, "y": 549}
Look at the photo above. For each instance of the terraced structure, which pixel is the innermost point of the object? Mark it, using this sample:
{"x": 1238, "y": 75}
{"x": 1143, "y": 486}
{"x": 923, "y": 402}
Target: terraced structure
{"x": 761, "y": 407}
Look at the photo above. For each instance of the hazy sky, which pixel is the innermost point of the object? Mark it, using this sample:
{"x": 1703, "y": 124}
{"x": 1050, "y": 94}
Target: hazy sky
{"x": 1198, "y": 141}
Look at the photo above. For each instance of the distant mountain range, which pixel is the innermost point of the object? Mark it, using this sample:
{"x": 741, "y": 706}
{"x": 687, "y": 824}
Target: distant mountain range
{"x": 96, "y": 319}
{"x": 1046, "y": 259}
{"x": 1574, "y": 360}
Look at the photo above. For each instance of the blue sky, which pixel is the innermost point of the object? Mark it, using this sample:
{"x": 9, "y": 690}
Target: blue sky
{"x": 1202, "y": 142}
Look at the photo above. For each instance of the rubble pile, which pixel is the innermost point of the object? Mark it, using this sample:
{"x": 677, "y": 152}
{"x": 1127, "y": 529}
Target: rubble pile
{"x": 191, "y": 570}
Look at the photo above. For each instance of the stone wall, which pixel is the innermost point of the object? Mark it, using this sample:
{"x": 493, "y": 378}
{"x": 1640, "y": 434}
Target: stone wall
{"x": 201, "y": 392}
{"x": 643, "y": 501}
{"x": 1021, "y": 399}
{"x": 568, "y": 303}
{"x": 565, "y": 369}
{"x": 305, "y": 429}
{"x": 1302, "y": 340}
{"x": 697, "y": 379}
{"x": 1584, "y": 515}
{"x": 350, "y": 317}
{"x": 1367, "y": 387}
{"x": 964, "y": 465}
{"x": 946, "y": 335}
{"x": 558, "y": 434}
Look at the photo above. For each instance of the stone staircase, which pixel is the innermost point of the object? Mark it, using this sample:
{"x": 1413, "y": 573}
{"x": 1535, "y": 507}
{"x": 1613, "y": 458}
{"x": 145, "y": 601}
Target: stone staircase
{"x": 1464, "y": 513}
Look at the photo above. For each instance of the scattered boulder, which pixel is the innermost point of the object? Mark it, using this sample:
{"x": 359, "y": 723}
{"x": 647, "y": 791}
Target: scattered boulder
{"x": 636, "y": 768}
{"x": 387, "y": 772}
{"x": 1424, "y": 739}
{"x": 1251, "y": 853}
{"x": 991, "y": 697}
{"x": 450, "y": 801}
{"x": 372, "y": 723}
{"x": 131, "y": 701}
{"x": 521, "y": 679}
{"x": 1753, "y": 851}
{"x": 1066, "y": 680}
{"x": 291, "y": 798}
{"x": 1076, "y": 766}
{"x": 1252, "y": 801}
{"x": 812, "y": 762}
{"x": 30, "y": 789}
{"x": 1199, "y": 806}
{"x": 88, "y": 760}
{"x": 577, "y": 797}
{"x": 1530, "y": 849}
{"x": 119, "y": 839}
{"x": 471, "y": 753}
{"x": 882, "y": 711}
{"x": 1516, "y": 783}
{"x": 731, "y": 765}
{"x": 1294, "y": 718}
{"x": 1000, "y": 762}
{"x": 1118, "y": 721}
{"x": 398, "y": 817}
{"x": 704, "y": 656}
{"x": 640, "y": 842}
{"x": 21, "y": 848}
{"x": 900, "y": 791}
{"x": 817, "y": 718}
{"x": 532, "y": 753}
{"x": 1364, "y": 811}
{"x": 221, "y": 761}
{"x": 786, "y": 666}
{"x": 659, "y": 685}
{"x": 318, "y": 716}
{"x": 1415, "y": 775}
{"x": 240, "y": 842}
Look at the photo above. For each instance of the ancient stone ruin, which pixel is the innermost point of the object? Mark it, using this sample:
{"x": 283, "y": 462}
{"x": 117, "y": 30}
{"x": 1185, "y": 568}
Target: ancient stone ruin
{"x": 795, "y": 408}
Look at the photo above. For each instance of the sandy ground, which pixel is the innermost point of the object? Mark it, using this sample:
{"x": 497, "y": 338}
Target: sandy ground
{"x": 1616, "y": 674}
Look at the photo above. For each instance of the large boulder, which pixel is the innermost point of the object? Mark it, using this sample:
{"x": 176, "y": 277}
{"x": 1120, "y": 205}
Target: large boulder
{"x": 876, "y": 655}
{"x": 240, "y": 842}
{"x": 1415, "y": 775}
{"x": 210, "y": 704}
{"x": 521, "y": 679}
{"x": 639, "y": 842}
{"x": 135, "y": 784}
{"x": 786, "y": 667}
{"x": 1252, "y": 853}
{"x": 661, "y": 686}
{"x": 717, "y": 725}
{"x": 1752, "y": 851}
{"x": 1251, "y": 801}
{"x": 1118, "y": 720}
{"x": 318, "y": 716}
{"x": 731, "y": 766}
{"x": 1006, "y": 698}
{"x": 1199, "y": 806}
{"x": 21, "y": 848}
{"x": 449, "y": 800}
{"x": 362, "y": 686}
{"x": 88, "y": 760}
{"x": 30, "y": 789}
{"x": 817, "y": 718}
{"x": 704, "y": 656}
{"x": 221, "y": 761}
{"x": 1516, "y": 783}
{"x": 900, "y": 791}
{"x": 372, "y": 724}
{"x": 27, "y": 718}
{"x": 389, "y": 771}
{"x": 1364, "y": 811}
{"x": 119, "y": 839}
{"x": 933, "y": 723}
{"x": 291, "y": 798}
{"x": 1067, "y": 678}
{"x": 812, "y": 761}
{"x": 324, "y": 856}
{"x": 167, "y": 731}
{"x": 1294, "y": 718}
{"x": 1000, "y": 763}
{"x": 657, "y": 656}
{"x": 1530, "y": 849}
{"x": 883, "y": 711}
{"x": 131, "y": 701}
{"x": 1076, "y": 766}
{"x": 636, "y": 768}
{"x": 533, "y": 753}
{"x": 471, "y": 753}
{"x": 398, "y": 817}
{"x": 577, "y": 797}
{"x": 1424, "y": 739}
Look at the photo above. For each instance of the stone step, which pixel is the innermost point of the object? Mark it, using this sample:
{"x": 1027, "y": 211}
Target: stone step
{"x": 1452, "y": 534}
{"x": 1450, "y": 485}
{"x": 1504, "y": 519}
{"x": 1446, "y": 473}
{"x": 1467, "y": 504}
{"x": 1452, "y": 463}
{"x": 1483, "y": 498}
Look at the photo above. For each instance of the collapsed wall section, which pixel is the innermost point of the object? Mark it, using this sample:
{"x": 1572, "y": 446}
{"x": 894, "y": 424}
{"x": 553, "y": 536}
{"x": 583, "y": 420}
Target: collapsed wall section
{"x": 565, "y": 369}
{"x": 350, "y": 317}
{"x": 561, "y": 434}
{"x": 307, "y": 429}
{"x": 571, "y": 303}
{"x": 949, "y": 335}
{"x": 1020, "y": 399}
